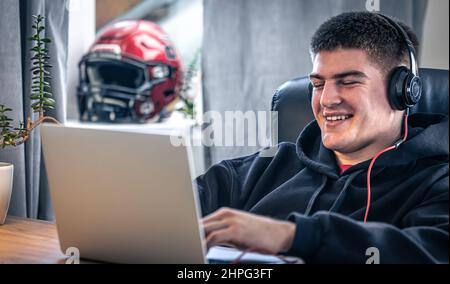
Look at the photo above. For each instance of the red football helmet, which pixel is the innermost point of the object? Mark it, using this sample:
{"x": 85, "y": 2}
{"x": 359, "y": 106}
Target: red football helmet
{"x": 132, "y": 72}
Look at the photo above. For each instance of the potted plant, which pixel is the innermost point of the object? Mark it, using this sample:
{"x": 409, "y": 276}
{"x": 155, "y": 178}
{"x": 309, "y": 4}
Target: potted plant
{"x": 41, "y": 100}
{"x": 187, "y": 98}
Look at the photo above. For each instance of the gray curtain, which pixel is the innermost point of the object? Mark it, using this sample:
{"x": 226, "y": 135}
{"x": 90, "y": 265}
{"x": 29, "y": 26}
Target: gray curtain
{"x": 250, "y": 47}
{"x": 30, "y": 196}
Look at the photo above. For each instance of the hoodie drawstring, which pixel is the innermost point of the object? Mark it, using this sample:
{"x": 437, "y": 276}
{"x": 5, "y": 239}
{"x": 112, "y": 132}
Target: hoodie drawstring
{"x": 339, "y": 200}
{"x": 315, "y": 195}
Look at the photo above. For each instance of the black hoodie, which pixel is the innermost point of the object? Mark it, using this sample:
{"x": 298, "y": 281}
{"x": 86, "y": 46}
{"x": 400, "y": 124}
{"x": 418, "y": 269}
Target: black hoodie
{"x": 408, "y": 218}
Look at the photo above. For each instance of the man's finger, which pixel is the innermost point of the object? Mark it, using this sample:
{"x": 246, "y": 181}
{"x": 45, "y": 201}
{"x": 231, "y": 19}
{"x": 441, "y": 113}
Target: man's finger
{"x": 218, "y": 215}
{"x": 223, "y": 236}
{"x": 214, "y": 226}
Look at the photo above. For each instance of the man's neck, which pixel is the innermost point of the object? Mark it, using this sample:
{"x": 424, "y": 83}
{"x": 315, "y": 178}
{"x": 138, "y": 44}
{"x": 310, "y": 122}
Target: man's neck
{"x": 363, "y": 154}
{"x": 354, "y": 158}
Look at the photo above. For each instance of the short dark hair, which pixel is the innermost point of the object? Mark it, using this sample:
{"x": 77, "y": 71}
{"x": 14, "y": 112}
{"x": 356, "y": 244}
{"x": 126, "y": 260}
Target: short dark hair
{"x": 384, "y": 45}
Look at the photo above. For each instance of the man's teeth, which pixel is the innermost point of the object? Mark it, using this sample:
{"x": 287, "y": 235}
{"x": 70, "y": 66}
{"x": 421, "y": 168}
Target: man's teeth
{"x": 339, "y": 117}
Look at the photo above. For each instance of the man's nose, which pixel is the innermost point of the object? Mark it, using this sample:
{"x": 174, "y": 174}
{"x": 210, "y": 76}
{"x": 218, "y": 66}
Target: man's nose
{"x": 330, "y": 95}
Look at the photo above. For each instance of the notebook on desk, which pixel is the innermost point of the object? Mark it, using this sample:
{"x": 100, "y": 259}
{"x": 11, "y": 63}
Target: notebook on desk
{"x": 124, "y": 197}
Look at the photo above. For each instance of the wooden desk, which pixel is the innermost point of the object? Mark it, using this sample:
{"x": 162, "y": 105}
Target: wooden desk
{"x": 29, "y": 241}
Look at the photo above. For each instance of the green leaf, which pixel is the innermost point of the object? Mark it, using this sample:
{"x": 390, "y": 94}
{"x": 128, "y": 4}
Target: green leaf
{"x": 36, "y": 104}
{"x": 49, "y": 101}
{"x": 35, "y": 97}
{"x": 49, "y": 104}
{"x": 46, "y": 40}
{"x": 35, "y": 68}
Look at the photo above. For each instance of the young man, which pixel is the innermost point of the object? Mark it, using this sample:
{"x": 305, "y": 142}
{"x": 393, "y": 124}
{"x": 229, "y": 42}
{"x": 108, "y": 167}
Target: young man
{"x": 310, "y": 199}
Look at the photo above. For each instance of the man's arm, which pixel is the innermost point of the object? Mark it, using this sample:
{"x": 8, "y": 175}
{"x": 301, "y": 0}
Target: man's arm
{"x": 334, "y": 238}
{"x": 223, "y": 184}
{"x": 215, "y": 188}
{"x": 422, "y": 238}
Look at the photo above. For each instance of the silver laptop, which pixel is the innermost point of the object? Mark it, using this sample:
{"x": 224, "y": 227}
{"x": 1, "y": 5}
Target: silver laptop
{"x": 122, "y": 197}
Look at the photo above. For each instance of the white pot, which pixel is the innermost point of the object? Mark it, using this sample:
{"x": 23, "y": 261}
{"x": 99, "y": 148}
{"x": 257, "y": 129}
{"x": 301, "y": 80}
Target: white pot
{"x": 6, "y": 182}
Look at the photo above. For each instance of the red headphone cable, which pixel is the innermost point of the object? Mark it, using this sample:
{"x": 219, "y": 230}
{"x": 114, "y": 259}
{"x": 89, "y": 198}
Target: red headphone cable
{"x": 395, "y": 146}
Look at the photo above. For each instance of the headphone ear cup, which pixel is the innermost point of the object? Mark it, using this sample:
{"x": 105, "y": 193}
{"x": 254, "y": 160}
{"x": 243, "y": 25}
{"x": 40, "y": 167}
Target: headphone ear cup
{"x": 310, "y": 92}
{"x": 396, "y": 88}
{"x": 413, "y": 90}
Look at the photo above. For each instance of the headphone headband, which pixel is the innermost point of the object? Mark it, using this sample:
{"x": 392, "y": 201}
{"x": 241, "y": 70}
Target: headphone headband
{"x": 411, "y": 50}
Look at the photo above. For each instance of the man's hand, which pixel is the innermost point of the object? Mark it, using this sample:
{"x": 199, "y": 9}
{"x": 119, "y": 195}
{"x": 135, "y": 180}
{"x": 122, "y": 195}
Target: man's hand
{"x": 248, "y": 231}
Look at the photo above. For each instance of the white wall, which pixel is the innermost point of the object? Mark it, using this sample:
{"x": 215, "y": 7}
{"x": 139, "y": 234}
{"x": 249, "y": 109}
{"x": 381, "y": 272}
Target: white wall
{"x": 81, "y": 36}
{"x": 435, "y": 47}
{"x": 184, "y": 26}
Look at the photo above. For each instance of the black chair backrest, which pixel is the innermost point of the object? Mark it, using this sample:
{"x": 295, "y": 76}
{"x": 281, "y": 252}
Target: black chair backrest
{"x": 294, "y": 110}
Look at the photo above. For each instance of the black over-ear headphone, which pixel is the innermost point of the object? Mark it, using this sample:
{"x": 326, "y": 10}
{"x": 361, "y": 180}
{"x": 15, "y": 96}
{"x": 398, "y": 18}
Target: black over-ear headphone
{"x": 404, "y": 85}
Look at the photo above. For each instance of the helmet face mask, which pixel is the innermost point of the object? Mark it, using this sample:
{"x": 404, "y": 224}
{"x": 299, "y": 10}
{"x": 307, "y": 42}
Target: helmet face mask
{"x": 131, "y": 74}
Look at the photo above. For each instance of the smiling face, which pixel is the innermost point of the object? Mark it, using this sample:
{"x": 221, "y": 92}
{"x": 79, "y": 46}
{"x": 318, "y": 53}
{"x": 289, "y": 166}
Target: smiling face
{"x": 351, "y": 106}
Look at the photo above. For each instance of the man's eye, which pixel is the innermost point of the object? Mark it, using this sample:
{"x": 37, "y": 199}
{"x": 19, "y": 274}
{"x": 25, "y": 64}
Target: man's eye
{"x": 349, "y": 83}
{"x": 317, "y": 86}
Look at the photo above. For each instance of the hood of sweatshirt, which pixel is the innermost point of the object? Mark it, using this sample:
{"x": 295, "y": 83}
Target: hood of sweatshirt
{"x": 408, "y": 209}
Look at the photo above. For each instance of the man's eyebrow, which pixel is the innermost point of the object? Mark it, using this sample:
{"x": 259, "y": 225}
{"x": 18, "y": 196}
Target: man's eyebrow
{"x": 352, "y": 73}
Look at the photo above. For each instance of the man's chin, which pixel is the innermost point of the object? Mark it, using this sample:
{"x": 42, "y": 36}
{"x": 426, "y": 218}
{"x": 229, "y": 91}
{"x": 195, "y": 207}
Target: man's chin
{"x": 340, "y": 146}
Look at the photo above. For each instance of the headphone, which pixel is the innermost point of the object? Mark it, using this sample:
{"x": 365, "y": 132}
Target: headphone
{"x": 404, "y": 85}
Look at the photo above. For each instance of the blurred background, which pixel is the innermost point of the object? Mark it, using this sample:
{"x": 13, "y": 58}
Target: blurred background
{"x": 250, "y": 47}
